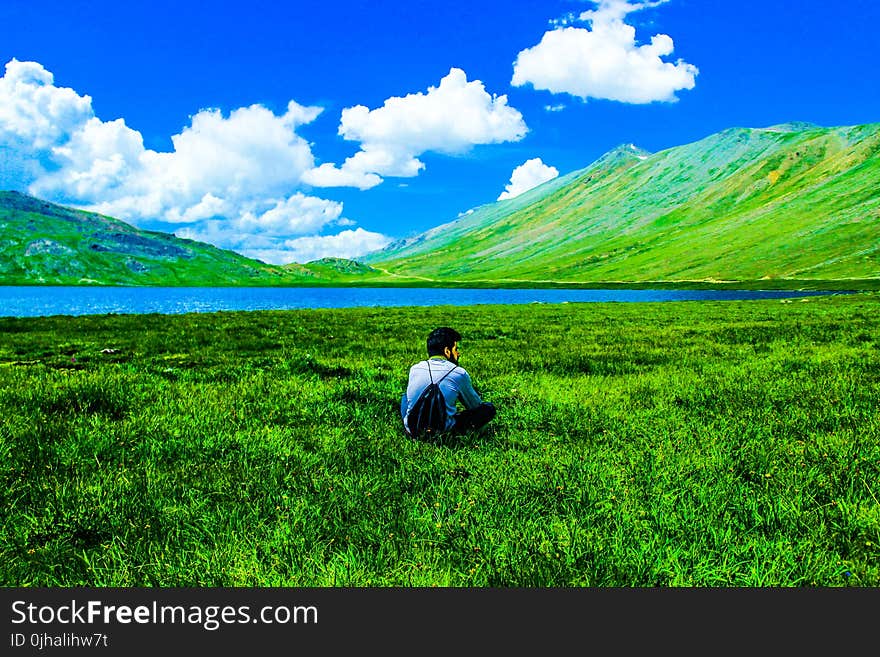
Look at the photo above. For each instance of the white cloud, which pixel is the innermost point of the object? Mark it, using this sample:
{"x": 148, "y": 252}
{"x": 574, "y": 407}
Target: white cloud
{"x": 298, "y": 115}
{"x": 529, "y": 174}
{"x": 240, "y": 160}
{"x": 97, "y": 160}
{"x": 297, "y": 215}
{"x": 35, "y": 116}
{"x": 450, "y": 119}
{"x": 34, "y": 110}
{"x": 230, "y": 180}
{"x": 286, "y": 231}
{"x": 328, "y": 175}
{"x": 606, "y": 61}
{"x": 346, "y": 244}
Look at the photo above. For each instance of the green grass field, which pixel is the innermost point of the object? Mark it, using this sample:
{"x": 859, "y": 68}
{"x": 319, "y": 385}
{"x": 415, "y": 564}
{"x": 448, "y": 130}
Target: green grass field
{"x": 661, "y": 444}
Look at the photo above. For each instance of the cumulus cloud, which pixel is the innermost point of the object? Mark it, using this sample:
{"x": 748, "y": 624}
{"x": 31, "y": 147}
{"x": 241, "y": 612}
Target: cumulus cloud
{"x": 346, "y": 244}
{"x": 527, "y": 175}
{"x": 35, "y": 116}
{"x": 329, "y": 175}
{"x": 231, "y": 179}
{"x": 285, "y": 232}
{"x": 605, "y": 62}
{"x": 239, "y": 160}
{"x": 450, "y": 119}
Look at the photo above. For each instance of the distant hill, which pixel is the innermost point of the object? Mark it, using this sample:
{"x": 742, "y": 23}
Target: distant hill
{"x": 793, "y": 202}
{"x": 333, "y": 267}
{"x": 49, "y": 244}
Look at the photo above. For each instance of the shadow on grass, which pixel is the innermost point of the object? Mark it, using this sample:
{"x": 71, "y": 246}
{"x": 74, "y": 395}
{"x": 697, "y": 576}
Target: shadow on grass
{"x": 452, "y": 440}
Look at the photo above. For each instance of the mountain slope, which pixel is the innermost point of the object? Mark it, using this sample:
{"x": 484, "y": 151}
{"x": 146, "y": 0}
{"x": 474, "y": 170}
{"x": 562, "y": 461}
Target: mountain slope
{"x": 788, "y": 202}
{"x": 45, "y": 243}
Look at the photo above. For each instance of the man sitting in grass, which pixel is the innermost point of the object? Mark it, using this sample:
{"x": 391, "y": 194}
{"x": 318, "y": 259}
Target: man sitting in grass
{"x": 454, "y": 382}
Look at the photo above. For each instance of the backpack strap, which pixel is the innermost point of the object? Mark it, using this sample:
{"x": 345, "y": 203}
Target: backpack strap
{"x": 428, "y": 363}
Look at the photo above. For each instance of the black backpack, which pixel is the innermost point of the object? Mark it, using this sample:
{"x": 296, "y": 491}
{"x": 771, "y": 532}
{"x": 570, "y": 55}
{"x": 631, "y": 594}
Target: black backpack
{"x": 427, "y": 419}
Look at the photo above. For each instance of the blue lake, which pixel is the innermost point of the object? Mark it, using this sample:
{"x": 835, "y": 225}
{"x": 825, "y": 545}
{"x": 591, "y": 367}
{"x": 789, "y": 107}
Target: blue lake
{"x": 38, "y": 301}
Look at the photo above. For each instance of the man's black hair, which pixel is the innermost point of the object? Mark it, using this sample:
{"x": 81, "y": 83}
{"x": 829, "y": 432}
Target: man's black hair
{"x": 440, "y": 338}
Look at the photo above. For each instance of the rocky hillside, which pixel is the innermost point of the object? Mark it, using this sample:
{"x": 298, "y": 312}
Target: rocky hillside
{"x": 44, "y": 243}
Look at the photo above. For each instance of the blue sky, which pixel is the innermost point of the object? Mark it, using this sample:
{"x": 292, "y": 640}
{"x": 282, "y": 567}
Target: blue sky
{"x": 290, "y": 131}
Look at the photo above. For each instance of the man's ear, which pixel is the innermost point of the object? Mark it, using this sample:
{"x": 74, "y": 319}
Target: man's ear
{"x": 447, "y": 352}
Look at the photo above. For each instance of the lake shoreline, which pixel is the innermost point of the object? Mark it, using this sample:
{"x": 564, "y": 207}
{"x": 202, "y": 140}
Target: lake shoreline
{"x": 38, "y": 301}
{"x": 831, "y": 285}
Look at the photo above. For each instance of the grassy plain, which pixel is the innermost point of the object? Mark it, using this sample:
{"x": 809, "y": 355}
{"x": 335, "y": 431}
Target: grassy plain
{"x": 671, "y": 444}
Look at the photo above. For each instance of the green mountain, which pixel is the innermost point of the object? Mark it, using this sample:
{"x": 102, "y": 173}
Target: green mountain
{"x": 791, "y": 205}
{"x": 49, "y": 244}
{"x": 788, "y": 203}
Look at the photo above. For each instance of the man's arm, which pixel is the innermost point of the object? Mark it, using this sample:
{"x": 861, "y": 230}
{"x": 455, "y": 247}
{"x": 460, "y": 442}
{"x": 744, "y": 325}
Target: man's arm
{"x": 466, "y": 392}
